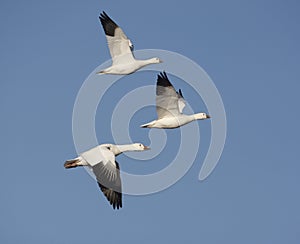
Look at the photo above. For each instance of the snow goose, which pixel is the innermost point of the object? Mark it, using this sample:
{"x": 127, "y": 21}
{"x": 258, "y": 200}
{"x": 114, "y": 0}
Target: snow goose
{"x": 101, "y": 160}
{"x": 169, "y": 106}
{"x": 120, "y": 47}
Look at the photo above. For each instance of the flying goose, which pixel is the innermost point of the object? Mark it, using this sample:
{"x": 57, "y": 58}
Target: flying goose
{"x": 101, "y": 159}
{"x": 169, "y": 106}
{"x": 120, "y": 47}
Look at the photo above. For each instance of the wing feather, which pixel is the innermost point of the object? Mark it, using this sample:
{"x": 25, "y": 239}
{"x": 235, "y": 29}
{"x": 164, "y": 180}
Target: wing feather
{"x": 118, "y": 43}
{"x": 110, "y": 184}
{"x": 168, "y": 102}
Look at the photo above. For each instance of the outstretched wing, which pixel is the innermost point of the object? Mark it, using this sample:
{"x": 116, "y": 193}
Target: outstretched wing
{"x": 103, "y": 163}
{"x": 168, "y": 102}
{"x": 109, "y": 181}
{"x": 181, "y": 101}
{"x": 119, "y": 45}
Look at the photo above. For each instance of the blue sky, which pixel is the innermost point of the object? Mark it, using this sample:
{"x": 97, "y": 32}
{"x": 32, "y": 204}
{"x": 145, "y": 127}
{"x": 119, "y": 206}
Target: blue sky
{"x": 251, "y": 51}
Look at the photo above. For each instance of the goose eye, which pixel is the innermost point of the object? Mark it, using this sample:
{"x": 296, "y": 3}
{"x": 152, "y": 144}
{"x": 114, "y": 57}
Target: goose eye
{"x": 108, "y": 148}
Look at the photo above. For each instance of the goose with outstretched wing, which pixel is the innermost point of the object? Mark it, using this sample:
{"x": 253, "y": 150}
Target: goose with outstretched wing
{"x": 120, "y": 48}
{"x": 102, "y": 161}
{"x": 169, "y": 106}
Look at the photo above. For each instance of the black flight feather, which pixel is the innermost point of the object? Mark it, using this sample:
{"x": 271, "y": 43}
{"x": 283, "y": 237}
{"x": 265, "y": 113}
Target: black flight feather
{"x": 108, "y": 24}
{"x": 162, "y": 80}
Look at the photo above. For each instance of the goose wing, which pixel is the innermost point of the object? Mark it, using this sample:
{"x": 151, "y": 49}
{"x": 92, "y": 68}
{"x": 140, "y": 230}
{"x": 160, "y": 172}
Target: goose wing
{"x": 168, "y": 102}
{"x": 110, "y": 186}
{"x": 120, "y": 47}
{"x": 181, "y": 101}
{"x": 107, "y": 172}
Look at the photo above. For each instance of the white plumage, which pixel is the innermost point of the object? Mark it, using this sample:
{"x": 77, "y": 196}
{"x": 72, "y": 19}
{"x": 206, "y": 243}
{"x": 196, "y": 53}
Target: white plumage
{"x": 169, "y": 106}
{"x": 101, "y": 160}
{"x": 120, "y": 48}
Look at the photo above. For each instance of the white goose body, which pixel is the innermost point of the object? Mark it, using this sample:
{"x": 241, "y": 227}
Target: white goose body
{"x": 170, "y": 122}
{"x": 128, "y": 67}
{"x": 101, "y": 160}
{"x": 120, "y": 48}
{"x": 169, "y": 107}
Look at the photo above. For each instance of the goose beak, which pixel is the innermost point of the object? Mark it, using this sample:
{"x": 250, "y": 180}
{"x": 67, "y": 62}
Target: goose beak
{"x": 161, "y": 61}
{"x": 146, "y": 148}
{"x": 207, "y": 116}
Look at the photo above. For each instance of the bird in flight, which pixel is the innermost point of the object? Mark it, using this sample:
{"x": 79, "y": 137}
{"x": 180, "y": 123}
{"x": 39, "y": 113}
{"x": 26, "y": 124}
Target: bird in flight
{"x": 169, "y": 106}
{"x": 102, "y": 161}
{"x": 120, "y": 48}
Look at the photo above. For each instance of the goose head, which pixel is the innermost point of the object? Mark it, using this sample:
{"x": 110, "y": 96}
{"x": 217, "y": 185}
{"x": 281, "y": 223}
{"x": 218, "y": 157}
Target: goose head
{"x": 155, "y": 60}
{"x": 139, "y": 147}
{"x": 201, "y": 116}
{"x": 118, "y": 149}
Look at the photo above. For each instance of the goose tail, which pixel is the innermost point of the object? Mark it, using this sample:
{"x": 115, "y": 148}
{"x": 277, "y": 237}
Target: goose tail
{"x": 148, "y": 125}
{"x": 72, "y": 163}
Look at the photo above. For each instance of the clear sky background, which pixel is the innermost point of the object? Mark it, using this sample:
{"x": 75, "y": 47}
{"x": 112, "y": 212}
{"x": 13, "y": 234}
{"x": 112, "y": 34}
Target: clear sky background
{"x": 251, "y": 51}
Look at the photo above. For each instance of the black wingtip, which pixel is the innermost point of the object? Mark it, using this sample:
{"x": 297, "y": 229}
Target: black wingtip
{"x": 163, "y": 80}
{"x": 114, "y": 198}
{"x": 108, "y": 24}
{"x": 163, "y": 75}
{"x": 180, "y": 93}
{"x": 104, "y": 16}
